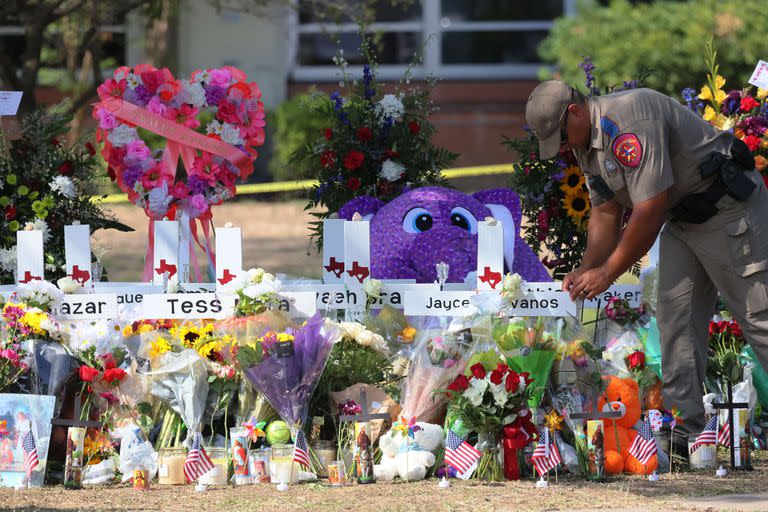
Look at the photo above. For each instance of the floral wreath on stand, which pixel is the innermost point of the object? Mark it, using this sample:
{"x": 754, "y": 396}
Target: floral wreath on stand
{"x": 213, "y": 121}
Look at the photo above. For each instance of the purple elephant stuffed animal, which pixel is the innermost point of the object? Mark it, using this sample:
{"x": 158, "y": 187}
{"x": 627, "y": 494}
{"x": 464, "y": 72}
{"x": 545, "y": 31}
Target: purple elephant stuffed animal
{"x": 429, "y": 225}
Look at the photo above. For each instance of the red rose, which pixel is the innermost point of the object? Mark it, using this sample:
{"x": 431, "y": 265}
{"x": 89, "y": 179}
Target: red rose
{"x": 413, "y": 127}
{"x": 736, "y": 330}
{"x": 353, "y": 160}
{"x": 636, "y": 360}
{"x": 111, "y": 173}
{"x": 228, "y": 112}
{"x": 713, "y": 328}
{"x": 90, "y": 148}
{"x": 328, "y": 159}
{"x": 478, "y": 370}
{"x": 109, "y": 362}
{"x": 328, "y": 134}
{"x": 66, "y": 168}
{"x": 497, "y": 376}
{"x": 87, "y": 374}
{"x": 10, "y": 212}
{"x": 114, "y": 374}
{"x": 513, "y": 381}
{"x": 364, "y": 134}
{"x": 460, "y": 384}
{"x": 152, "y": 80}
{"x": 752, "y": 141}
{"x": 748, "y": 103}
{"x": 353, "y": 183}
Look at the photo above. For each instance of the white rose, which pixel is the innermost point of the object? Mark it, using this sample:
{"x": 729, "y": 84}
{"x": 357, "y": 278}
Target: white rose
{"x": 475, "y": 391}
{"x": 193, "y": 93}
{"x": 68, "y": 285}
{"x": 173, "y": 285}
{"x": 255, "y": 274}
{"x": 122, "y": 135}
{"x": 231, "y": 135}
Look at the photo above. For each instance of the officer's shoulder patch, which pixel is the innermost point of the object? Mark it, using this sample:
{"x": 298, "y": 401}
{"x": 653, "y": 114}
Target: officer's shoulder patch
{"x": 609, "y": 127}
{"x": 627, "y": 150}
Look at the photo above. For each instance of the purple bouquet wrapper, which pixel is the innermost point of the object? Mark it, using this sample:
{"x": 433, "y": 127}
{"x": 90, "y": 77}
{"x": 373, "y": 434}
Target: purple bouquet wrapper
{"x": 288, "y": 382}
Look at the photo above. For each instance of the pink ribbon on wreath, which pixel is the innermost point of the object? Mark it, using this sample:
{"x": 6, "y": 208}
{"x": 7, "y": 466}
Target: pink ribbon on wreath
{"x": 181, "y": 142}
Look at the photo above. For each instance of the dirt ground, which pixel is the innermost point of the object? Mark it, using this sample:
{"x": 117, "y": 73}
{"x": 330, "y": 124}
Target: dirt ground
{"x": 569, "y": 494}
{"x": 275, "y": 237}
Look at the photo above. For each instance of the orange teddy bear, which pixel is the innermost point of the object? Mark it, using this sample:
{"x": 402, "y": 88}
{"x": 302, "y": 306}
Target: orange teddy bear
{"x": 622, "y": 395}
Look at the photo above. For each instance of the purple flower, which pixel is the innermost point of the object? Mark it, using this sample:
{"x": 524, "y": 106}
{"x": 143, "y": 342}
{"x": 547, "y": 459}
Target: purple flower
{"x": 196, "y": 185}
{"x": 755, "y": 125}
{"x": 143, "y": 94}
{"x": 691, "y": 98}
{"x": 367, "y": 79}
{"x": 132, "y": 175}
{"x": 731, "y": 103}
{"x": 214, "y": 94}
{"x": 631, "y": 84}
{"x": 588, "y": 68}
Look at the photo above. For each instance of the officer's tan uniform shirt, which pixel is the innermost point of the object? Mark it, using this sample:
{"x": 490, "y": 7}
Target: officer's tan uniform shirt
{"x": 644, "y": 143}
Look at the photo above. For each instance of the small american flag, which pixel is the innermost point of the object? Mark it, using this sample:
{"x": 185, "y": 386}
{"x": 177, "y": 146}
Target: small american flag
{"x": 198, "y": 462}
{"x": 300, "y": 449}
{"x": 724, "y": 437}
{"x": 461, "y": 455}
{"x": 30, "y": 453}
{"x": 546, "y": 455}
{"x": 707, "y": 436}
{"x": 644, "y": 445}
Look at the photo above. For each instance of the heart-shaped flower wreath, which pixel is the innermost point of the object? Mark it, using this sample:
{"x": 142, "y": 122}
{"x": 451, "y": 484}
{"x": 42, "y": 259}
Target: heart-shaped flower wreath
{"x": 214, "y": 122}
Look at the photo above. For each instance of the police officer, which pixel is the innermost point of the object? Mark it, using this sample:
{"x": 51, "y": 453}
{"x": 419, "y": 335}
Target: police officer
{"x": 642, "y": 150}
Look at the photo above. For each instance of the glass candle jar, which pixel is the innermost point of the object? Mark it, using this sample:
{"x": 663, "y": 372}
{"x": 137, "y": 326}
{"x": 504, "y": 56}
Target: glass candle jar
{"x": 218, "y": 475}
{"x": 259, "y": 465}
{"x": 705, "y": 456}
{"x": 282, "y": 469}
{"x": 239, "y": 445}
{"x": 171, "y": 466}
{"x": 326, "y": 453}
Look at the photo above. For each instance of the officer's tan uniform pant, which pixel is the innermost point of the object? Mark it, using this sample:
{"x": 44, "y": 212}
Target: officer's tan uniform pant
{"x": 729, "y": 254}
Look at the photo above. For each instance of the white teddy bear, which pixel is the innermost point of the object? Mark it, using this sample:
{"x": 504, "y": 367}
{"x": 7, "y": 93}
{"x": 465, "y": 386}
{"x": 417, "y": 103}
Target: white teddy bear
{"x": 408, "y": 458}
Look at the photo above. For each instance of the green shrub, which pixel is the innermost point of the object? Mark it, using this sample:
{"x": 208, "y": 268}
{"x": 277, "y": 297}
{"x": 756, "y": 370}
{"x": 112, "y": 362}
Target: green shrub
{"x": 664, "y": 36}
{"x": 293, "y": 125}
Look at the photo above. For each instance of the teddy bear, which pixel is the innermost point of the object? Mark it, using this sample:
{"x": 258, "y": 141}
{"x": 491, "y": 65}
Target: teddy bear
{"x": 430, "y": 225}
{"x": 622, "y": 395}
{"x": 408, "y": 458}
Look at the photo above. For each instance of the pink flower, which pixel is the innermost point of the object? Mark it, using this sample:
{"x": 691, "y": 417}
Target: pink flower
{"x": 11, "y": 355}
{"x": 251, "y": 119}
{"x": 185, "y": 115}
{"x": 180, "y": 190}
{"x": 197, "y": 205}
{"x": 112, "y": 88}
{"x": 205, "y": 168}
{"x": 156, "y": 176}
{"x": 156, "y": 106}
{"x": 106, "y": 120}
{"x": 220, "y": 77}
{"x": 137, "y": 151}
{"x": 109, "y": 397}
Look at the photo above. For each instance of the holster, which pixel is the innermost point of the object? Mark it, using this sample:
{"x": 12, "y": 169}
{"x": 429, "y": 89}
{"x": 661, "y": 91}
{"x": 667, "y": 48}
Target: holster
{"x": 730, "y": 179}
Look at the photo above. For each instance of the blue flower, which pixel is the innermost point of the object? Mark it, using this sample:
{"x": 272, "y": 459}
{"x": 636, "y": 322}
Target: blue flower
{"x": 691, "y": 98}
{"x": 588, "y": 68}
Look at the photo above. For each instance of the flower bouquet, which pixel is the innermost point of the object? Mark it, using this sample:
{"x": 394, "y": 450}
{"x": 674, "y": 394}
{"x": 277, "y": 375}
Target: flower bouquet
{"x": 286, "y": 366}
{"x": 254, "y": 290}
{"x": 438, "y": 357}
{"x": 485, "y": 402}
{"x": 375, "y": 143}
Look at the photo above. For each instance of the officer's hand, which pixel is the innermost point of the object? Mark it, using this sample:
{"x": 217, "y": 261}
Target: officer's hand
{"x": 590, "y": 284}
{"x": 571, "y": 279}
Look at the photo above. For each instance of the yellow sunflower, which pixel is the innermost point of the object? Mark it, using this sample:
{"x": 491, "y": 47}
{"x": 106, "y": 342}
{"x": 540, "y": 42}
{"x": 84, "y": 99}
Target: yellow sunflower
{"x": 577, "y": 207}
{"x": 158, "y": 347}
{"x": 187, "y": 334}
{"x": 572, "y": 181}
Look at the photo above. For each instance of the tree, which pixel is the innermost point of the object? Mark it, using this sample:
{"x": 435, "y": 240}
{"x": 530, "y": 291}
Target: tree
{"x": 666, "y": 37}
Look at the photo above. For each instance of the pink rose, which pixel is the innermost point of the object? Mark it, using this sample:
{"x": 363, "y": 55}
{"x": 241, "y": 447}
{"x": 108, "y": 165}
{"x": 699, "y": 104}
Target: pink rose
{"x": 152, "y": 80}
{"x": 138, "y": 151}
{"x": 196, "y": 205}
{"x": 106, "y": 120}
{"x": 156, "y": 106}
{"x": 220, "y": 77}
{"x": 180, "y": 190}
{"x": 228, "y": 113}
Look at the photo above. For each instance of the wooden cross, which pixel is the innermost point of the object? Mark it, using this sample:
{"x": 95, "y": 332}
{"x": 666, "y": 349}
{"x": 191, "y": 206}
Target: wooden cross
{"x": 364, "y": 414}
{"x": 75, "y": 421}
{"x": 731, "y": 406}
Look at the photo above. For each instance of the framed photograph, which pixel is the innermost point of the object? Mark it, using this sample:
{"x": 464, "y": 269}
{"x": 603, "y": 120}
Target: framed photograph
{"x": 20, "y": 414}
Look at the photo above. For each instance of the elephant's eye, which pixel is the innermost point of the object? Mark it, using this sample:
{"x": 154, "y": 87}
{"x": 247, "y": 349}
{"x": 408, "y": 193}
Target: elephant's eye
{"x": 462, "y": 218}
{"x": 417, "y": 220}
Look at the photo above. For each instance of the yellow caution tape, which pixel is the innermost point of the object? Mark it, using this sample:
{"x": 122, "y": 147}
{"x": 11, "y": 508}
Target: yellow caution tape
{"x": 292, "y": 186}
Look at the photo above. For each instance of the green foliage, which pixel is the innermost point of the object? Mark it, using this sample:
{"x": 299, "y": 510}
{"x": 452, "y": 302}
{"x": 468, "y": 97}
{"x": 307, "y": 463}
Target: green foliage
{"x": 665, "y": 36}
{"x": 29, "y": 194}
{"x": 294, "y": 126}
